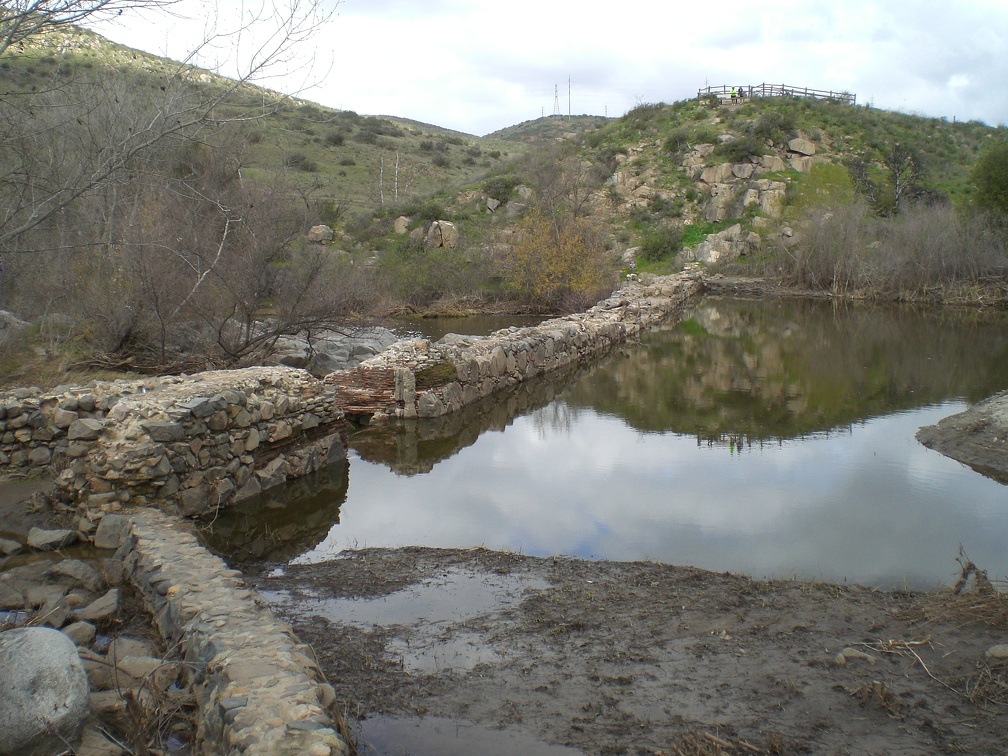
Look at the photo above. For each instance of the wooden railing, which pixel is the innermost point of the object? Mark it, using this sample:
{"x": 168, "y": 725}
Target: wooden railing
{"x": 724, "y": 93}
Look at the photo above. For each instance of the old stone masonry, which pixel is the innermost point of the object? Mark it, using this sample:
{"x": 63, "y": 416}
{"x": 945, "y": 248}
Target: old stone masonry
{"x": 192, "y": 444}
{"x": 422, "y": 379}
{"x": 147, "y": 453}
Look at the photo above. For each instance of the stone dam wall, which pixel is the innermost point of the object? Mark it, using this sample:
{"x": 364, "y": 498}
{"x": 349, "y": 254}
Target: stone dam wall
{"x": 149, "y": 450}
{"x": 419, "y": 378}
{"x": 188, "y": 444}
{"x": 260, "y": 690}
{"x": 192, "y": 444}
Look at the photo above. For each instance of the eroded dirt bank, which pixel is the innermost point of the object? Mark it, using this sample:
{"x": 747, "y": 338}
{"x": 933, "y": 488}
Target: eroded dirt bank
{"x": 977, "y": 437}
{"x": 612, "y": 657}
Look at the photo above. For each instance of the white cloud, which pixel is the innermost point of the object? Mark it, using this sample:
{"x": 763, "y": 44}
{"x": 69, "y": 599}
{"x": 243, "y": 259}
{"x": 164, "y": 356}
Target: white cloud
{"x": 478, "y": 67}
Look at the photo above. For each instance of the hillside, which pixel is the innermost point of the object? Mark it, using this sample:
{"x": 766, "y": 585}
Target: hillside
{"x": 349, "y": 159}
{"x": 545, "y": 216}
{"x": 670, "y": 174}
{"x": 358, "y": 162}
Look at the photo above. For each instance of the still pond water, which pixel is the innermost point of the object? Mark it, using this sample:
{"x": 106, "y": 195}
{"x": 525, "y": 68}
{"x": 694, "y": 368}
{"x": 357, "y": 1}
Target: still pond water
{"x": 773, "y": 438}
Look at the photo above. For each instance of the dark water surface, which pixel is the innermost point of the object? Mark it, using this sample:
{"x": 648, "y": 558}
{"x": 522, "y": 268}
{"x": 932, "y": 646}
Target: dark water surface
{"x": 769, "y": 438}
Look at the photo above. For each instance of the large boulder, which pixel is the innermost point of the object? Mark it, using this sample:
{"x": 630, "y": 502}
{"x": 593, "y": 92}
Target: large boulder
{"x": 719, "y": 206}
{"x": 43, "y": 691}
{"x": 726, "y": 245}
{"x": 801, "y": 146}
{"x": 442, "y": 233}
{"x": 717, "y": 174}
{"x": 11, "y": 324}
{"x": 330, "y": 351}
{"x": 320, "y": 234}
{"x": 801, "y": 163}
{"x": 770, "y": 164}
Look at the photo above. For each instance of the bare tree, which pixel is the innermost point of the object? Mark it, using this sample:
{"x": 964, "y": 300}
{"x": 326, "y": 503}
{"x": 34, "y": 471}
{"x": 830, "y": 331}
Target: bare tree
{"x": 84, "y": 135}
{"x": 23, "y": 19}
{"x": 563, "y": 181}
{"x": 904, "y": 171}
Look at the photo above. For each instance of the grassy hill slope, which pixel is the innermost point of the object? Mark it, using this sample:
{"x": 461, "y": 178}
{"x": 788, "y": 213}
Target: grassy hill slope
{"x": 349, "y": 159}
{"x": 357, "y": 163}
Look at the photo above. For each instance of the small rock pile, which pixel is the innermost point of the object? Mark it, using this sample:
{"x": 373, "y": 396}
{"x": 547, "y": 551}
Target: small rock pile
{"x": 232, "y": 680}
{"x": 79, "y": 663}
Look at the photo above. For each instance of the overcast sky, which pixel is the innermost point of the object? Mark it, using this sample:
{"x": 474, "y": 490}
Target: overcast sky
{"x": 481, "y": 66}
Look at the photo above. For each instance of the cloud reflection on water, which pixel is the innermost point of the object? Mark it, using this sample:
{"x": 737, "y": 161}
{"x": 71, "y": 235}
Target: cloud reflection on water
{"x": 868, "y": 505}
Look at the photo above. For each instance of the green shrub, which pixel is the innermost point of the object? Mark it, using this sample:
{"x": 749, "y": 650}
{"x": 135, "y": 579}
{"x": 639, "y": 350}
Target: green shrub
{"x": 677, "y": 142}
{"x": 309, "y": 111}
{"x": 664, "y": 208}
{"x": 661, "y": 243}
{"x": 739, "y": 149}
{"x": 423, "y": 211}
{"x": 990, "y": 177}
{"x": 775, "y": 124}
{"x": 500, "y": 187}
{"x": 694, "y": 233}
{"x": 301, "y": 161}
{"x": 381, "y": 127}
{"x": 825, "y": 185}
{"x": 335, "y": 138}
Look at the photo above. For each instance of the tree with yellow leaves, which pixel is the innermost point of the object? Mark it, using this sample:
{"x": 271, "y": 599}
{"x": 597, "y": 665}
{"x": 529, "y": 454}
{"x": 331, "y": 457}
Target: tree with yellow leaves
{"x": 560, "y": 262}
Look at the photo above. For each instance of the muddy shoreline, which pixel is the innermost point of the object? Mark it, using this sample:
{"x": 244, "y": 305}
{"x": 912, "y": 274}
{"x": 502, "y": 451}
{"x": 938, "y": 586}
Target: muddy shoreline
{"x": 568, "y": 656}
{"x": 977, "y": 437}
{"x": 639, "y": 657}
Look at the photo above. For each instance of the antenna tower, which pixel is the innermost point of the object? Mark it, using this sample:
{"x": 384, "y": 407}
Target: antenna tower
{"x": 556, "y": 100}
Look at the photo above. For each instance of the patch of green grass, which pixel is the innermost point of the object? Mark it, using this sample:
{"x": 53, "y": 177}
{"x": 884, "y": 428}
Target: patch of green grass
{"x": 694, "y": 233}
{"x": 436, "y": 375}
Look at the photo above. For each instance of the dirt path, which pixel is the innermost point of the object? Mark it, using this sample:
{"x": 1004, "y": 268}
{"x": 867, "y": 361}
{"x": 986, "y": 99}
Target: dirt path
{"x": 497, "y": 649}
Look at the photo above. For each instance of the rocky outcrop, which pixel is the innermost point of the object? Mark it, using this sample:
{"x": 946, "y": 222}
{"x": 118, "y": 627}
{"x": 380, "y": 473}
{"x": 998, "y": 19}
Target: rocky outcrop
{"x": 801, "y": 146}
{"x": 43, "y": 691}
{"x": 977, "y": 437}
{"x": 732, "y": 187}
{"x": 726, "y": 245}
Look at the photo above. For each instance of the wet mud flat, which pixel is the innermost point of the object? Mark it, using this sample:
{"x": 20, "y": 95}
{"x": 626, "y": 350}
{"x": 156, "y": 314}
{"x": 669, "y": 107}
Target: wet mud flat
{"x": 463, "y": 651}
